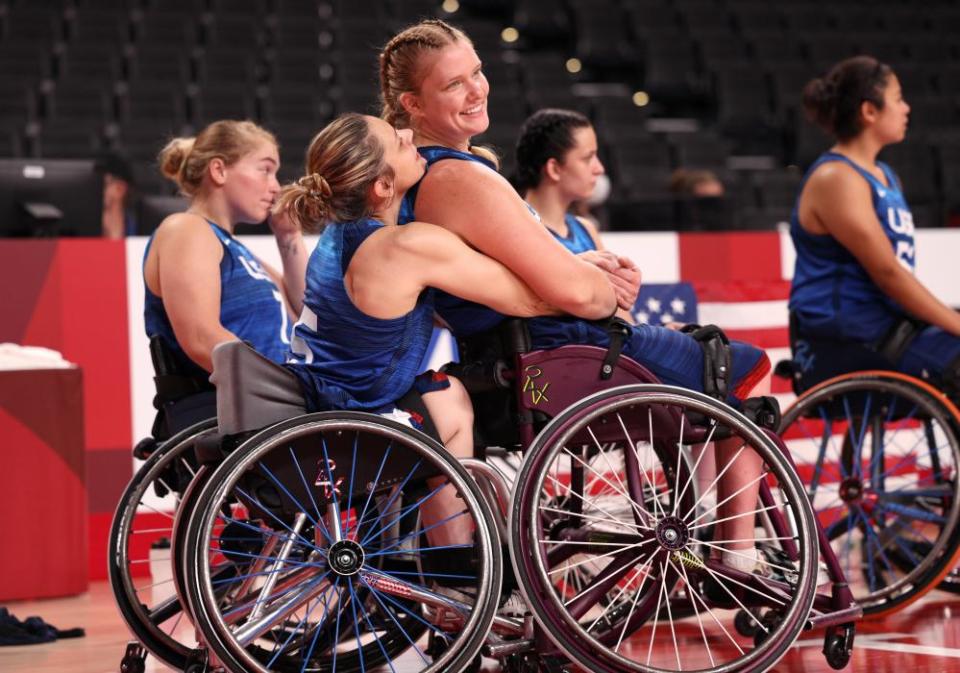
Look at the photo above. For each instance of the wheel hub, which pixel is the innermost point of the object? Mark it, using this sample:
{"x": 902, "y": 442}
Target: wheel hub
{"x": 345, "y": 558}
{"x": 851, "y": 490}
{"x": 672, "y": 533}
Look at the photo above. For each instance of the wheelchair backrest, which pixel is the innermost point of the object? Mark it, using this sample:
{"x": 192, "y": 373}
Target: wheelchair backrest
{"x": 252, "y": 391}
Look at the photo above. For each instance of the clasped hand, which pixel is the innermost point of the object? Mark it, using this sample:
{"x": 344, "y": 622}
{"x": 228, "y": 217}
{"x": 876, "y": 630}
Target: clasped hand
{"x": 622, "y": 273}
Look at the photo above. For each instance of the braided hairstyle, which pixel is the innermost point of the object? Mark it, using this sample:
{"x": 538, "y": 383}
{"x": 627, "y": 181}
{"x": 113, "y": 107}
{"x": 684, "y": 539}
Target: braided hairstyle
{"x": 546, "y": 134}
{"x": 185, "y": 160}
{"x": 833, "y": 102}
{"x": 402, "y": 71}
{"x": 343, "y": 162}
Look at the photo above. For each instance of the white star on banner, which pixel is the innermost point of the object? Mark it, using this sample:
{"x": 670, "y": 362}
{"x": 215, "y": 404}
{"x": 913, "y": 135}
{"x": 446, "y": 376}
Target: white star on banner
{"x": 678, "y": 305}
{"x": 653, "y": 304}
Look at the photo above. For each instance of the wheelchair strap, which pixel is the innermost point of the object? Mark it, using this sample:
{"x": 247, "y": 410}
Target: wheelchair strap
{"x": 619, "y": 331}
{"x": 896, "y": 341}
{"x": 173, "y": 387}
{"x": 716, "y": 358}
{"x": 764, "y": 411}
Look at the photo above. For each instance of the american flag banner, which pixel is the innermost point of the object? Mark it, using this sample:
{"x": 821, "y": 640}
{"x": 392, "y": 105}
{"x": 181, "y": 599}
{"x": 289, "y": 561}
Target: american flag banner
{"x": 663, "y": 303}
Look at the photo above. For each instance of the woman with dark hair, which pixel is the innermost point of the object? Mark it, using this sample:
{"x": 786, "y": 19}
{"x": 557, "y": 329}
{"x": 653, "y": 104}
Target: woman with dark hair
{"x": 854, "y": 235}
{"x": 557, "y": 164}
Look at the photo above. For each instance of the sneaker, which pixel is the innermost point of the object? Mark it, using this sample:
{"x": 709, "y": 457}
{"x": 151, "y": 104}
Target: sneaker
{"x": 783, "y": 568}
{"x": 513, "y": 605}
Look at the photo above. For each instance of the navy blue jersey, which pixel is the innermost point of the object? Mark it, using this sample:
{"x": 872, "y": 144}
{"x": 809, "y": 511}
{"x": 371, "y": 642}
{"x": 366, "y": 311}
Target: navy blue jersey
{"x": 578, "y": 239}
{"x": 832, "y": 295}
{"x": 251, "y": 305}
{"x": 344, "y": 358}
{"x": 464, "y": 317}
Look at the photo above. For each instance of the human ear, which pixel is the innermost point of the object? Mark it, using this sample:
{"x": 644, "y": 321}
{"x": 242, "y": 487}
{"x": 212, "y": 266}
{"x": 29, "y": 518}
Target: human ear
{"x": 552, "y": 169}
{"x": 869, "y": 111}
{"x": 410, "y": 103}
{"x": 218, "y": 171}
{"x": 383, "y": 189}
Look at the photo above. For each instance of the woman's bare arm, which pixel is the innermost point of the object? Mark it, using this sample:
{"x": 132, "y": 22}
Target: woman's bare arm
{"x": 441, "y": 259}
{"x": 188, "y": 264}
{"x": 841, "y": 204}
{"x": 480, "y": 206}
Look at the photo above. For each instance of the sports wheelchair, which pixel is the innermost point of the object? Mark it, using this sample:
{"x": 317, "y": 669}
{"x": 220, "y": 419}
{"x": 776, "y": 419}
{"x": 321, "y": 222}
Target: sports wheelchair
{"x": 305, "y": 548}
{"x": 880, "y": 451}
{"x": 186, "y": 412}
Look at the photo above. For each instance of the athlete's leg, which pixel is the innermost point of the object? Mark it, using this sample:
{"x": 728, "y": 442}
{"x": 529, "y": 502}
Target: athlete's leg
{"x": 452, "y": 414}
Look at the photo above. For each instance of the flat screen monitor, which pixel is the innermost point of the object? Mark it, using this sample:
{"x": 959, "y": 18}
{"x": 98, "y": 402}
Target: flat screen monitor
{"x": 154, "y": 208}
{"x": 50, "y": 197}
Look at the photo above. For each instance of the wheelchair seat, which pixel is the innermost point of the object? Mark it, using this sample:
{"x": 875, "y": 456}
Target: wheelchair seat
{"x": 252, "y": 391}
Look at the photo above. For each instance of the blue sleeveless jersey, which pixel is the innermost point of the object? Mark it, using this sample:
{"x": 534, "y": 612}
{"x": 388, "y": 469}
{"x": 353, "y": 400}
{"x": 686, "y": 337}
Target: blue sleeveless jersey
{"x": 251, "y": 305}
{"x": 832, "y": 295}
{"x": 578, "y": 239}
{"x": 464, "y": 317}
{"x": 344, "y": 358}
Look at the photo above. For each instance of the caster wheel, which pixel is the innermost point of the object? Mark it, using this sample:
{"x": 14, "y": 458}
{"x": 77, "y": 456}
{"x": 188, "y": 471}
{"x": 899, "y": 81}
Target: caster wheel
{"x": 134, "y": 659}
{"x": 770, "y": 622}
{"x": 838, "y": 646}
{"x": 745, "y": 622}
{"x": 132, "y": 665}
{"x": 837, "y": 655}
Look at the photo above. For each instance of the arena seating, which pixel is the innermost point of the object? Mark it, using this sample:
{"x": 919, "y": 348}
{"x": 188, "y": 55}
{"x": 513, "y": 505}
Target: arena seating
{"x": 719, "y": 82}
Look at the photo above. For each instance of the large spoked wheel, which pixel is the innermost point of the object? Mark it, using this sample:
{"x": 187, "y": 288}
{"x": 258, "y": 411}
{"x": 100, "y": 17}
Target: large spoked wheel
{"x": 606, "y": 496}
{"x": 332, "y": 571}
{"x": 146, "y": 513}
{"x": 881, "y": 456}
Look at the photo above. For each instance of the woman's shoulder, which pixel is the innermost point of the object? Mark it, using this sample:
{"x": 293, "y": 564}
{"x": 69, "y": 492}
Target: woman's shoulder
{"x": 836, "y": 177}
{"x": 185, "y": 229}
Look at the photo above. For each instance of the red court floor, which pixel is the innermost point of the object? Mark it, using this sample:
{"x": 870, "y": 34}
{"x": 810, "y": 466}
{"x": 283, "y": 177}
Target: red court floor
{"x": 924, "y": 638}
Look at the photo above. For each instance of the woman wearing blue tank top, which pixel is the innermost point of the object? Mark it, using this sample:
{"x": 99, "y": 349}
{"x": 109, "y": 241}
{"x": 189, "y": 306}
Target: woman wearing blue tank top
{"x": 853, "y": 232}
{"x": 432, "y": 82}
{"x": 556, "y": 165}
{"x": 368, "y": 309}
{"x": 203, "y": 286}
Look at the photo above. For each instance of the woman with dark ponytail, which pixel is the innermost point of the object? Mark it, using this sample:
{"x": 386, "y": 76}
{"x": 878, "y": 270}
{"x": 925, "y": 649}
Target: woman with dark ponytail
{"x": 854, "y": 234}
{"x": 557, "y": 164}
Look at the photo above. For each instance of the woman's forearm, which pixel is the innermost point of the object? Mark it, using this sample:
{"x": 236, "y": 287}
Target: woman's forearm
{"x": 904, "y": 288}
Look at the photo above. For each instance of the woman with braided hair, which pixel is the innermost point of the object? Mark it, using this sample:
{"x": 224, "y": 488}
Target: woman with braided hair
{"x": 853, "y": 231}
{"x": 203, "y": 286}
{"x": 432, "y": 82}
{"x": 368, "y": 310}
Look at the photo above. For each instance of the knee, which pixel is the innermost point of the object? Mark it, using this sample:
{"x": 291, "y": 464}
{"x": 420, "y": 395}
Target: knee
{"x": 462, "y": 407}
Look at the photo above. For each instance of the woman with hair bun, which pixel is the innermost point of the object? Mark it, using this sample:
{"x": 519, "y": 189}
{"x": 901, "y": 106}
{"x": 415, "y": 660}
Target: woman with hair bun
{"x": 203, "y": 286}
{"x": 854, "y": 235}
{"x": 368, "y": 311}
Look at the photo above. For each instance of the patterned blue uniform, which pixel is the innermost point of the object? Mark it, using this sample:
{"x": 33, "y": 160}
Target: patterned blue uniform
{"x": 675, "y": 358}
{"x": 344, "y": 358}
{"x": 251, "y": 306}
{"x": 833, "y": 297}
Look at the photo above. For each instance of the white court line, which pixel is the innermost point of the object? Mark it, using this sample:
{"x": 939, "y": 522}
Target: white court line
{"x": 877, "y": 641}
